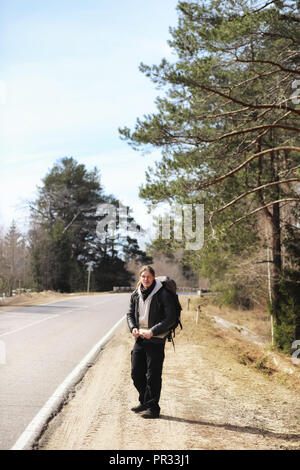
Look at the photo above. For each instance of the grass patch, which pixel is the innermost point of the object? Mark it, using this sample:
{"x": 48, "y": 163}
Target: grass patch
{"x": 232, "y": 344}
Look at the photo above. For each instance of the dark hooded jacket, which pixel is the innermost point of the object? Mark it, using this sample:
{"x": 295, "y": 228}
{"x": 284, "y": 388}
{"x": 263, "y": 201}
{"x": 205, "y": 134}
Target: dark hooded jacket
{"x": 162, "y": 312}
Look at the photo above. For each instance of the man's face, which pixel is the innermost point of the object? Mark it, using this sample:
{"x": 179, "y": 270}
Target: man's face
{"x": 146, "y": 278}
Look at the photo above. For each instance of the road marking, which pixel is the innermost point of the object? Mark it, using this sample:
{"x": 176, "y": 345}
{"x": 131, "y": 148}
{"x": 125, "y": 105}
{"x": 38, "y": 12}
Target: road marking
{"x": 28, "y": 326}
{"x": 72, "y": 298}
{"x": 36, "y": 426}
{"x": 52, "y": 316}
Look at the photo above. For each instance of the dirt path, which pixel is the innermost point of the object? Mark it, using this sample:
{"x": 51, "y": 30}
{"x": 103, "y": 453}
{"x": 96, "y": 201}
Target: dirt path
{"x": 218, "y": 393}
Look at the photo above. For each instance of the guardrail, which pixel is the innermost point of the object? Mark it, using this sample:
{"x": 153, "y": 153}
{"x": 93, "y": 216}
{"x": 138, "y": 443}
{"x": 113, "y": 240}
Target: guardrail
{"x": 187, "y": 289}
{"x": 123, "y": 289}
{"x": 179, "y": 289}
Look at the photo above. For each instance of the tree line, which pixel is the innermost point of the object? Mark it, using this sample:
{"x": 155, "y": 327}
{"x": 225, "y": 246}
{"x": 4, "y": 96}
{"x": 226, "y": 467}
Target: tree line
{"x": 227, "y": 124}
{"x": 63, "y": 239}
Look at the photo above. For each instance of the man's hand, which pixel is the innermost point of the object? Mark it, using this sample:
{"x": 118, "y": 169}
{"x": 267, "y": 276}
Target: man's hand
{"x": 146, "y": 333}
{"x": 135, "y": 333}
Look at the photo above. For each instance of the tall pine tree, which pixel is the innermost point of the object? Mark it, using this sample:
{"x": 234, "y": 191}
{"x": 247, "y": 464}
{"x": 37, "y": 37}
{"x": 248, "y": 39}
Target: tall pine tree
{"x": 228, "y": 128}
{"x": 64, "y": 237}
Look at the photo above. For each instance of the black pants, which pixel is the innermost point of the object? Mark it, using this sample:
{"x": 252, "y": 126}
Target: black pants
{"x": 147, "y": 359}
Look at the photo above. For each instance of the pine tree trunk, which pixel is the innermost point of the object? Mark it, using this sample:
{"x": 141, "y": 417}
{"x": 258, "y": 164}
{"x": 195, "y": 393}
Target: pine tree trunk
{"x": 276, "y": 255}
{"x": 276, "y": 238}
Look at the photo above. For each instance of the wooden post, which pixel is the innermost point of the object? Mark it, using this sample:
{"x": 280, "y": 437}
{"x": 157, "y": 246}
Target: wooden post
{"x": 188, "y": 304}
{"x": 272, "y": 330}
{"x": 197, "y": 314}
{"x": 90, "y": 268}
{"x": 88, "y": 284}
{"x": 269, "y": 285}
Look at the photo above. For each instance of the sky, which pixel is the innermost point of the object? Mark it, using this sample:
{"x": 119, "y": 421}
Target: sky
{"x": 69, "y": 79}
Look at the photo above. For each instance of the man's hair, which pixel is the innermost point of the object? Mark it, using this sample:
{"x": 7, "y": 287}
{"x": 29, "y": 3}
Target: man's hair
{"x": 145, "y": 268}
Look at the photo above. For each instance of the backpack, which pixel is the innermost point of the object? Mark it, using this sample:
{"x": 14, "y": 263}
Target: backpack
{"x": 170, "y": 285}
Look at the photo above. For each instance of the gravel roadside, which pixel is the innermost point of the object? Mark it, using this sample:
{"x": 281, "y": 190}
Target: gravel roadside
{"x": 212, "y": 398}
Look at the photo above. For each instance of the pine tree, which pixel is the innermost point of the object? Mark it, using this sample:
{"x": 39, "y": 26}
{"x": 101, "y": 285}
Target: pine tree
{"x": 64, "y": 236}
{"x": 14, "y": 255}
{"x": 228, "y": 125}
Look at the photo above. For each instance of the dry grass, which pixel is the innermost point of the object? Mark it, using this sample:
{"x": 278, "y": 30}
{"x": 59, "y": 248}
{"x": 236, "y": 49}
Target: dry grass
{"x": 261, "y": 358}
{"x": 256, "y": 320}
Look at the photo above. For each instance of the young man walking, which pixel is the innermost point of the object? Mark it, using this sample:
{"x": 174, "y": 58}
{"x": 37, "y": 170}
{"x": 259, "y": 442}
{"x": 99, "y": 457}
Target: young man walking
{"x": 151, "y": 314}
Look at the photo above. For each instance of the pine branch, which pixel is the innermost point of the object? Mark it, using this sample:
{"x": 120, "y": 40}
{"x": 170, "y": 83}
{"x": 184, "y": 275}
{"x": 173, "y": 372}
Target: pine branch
{"x": 270, "y": 62}
{"x": 264, "y": 186}
{"x": 37, "y": 210}
{"x": 289, "y": 170}
{"x": 238, "y": 168}
{"x": 71, "y": 222}
{"x": 246, "y": 131}
{"x": 259, "y": 137}
{"x": 290, "y": 199}
{"x": 198, "y": 139}
{"x": 189, "y": 81}
{"x": 222, "y": 115}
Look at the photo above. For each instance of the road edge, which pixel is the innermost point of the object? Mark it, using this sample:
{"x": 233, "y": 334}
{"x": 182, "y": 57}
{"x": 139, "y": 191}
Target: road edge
{"x": 33, "y": 431}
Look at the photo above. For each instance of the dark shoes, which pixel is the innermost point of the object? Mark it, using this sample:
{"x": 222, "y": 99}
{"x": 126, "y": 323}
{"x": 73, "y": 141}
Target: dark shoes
{"x": 150, "y": 414}
{"x": 139, "y": 408}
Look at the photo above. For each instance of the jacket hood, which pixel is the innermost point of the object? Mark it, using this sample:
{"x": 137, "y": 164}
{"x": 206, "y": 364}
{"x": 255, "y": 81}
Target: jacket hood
{"x": 158, "y": 285}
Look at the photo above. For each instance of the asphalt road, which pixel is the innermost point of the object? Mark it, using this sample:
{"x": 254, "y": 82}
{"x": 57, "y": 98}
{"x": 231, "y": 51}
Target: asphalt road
{"x": 40, "y": 345}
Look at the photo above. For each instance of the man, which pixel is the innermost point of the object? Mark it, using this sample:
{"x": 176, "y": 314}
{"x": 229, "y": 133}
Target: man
{"x": 151, "y": 314}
